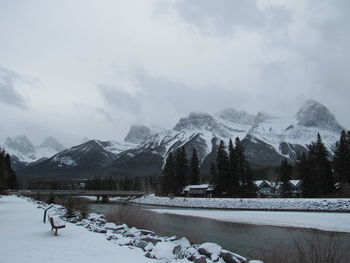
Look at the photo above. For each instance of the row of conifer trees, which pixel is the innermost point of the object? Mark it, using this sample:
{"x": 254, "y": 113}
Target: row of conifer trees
{"x": 8, "y": 179}
{"x": 180, "y": 171}
{"x": 230, "y": 173}
{"x": 320, "y": 173}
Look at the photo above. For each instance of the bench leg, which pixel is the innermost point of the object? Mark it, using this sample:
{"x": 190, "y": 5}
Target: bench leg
{"x": 56, "y": 232}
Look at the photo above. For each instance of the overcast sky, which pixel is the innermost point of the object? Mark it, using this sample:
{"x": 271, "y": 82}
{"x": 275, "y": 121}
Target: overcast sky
{"x": 76, "y": 68}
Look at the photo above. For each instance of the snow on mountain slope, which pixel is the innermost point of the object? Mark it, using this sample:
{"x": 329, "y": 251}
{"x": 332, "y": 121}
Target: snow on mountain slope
{"x": 23, "y": 150}
{"x": 93, "y": 153}
{"x": 197, "y": 130}
{"x": 283, "y": 134}
{"x": 267, "y": 139}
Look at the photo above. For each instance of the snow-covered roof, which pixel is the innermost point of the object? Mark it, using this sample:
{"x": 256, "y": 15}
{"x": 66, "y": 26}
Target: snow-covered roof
{"x": 295, "y": 182}
{"x": 258, "y": 183}
{"x": 198, "y": 186}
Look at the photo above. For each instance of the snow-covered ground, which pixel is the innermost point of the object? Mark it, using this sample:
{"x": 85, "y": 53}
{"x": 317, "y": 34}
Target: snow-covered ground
{"x": 336, "y": 222}
{"x": 24, "y": 238}
{"x": 290, "y": 204}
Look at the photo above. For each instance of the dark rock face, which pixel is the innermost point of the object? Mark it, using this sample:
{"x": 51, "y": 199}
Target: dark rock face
{"x": 137, "y": 134}
{"x": 259, "y": 153}
{"x": 131, "y": 164}
{"x": 292, "y": 150}
{"x": 81, "y": 160}
{"x": 314, "y": 114}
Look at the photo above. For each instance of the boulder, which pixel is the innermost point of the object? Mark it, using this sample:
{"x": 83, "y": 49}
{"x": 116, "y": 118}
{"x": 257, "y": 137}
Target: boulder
{"x": 177, "y": 251}
{"x": 141, "y": 244}
{"x": 209, "y": 249}
{"x": 153, "y": 240}
{"x": 147, "y": 232}
{"x": 230, "y": 257}
{"x": 199, "y": 259}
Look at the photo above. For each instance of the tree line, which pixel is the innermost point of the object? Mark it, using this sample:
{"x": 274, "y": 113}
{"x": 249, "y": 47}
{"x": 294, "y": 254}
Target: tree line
{"x": 179, "y": 171}
{"x": 230, "y": 173}
{"x": 320, "y": 174}
{"x": 8, "y": 179}
{"x": 143, "y": 184}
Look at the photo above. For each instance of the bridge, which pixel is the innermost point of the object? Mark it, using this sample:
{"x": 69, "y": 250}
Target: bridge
{"x": 104, "y": 194}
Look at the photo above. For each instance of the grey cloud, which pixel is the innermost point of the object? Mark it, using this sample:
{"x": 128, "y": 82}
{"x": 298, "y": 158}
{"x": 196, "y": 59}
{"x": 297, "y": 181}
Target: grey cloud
{"x": 163, "y": 93}
{"x": 223, "y": 14}
{"x": 8, "y": 93}
{"x": 105, "y": 114}
{"x": 119, "y": 99}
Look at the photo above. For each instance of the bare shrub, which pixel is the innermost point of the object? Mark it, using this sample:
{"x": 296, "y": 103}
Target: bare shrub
{"x": 74, "y": 204}
{"x": 317, "y": 249}
{"x": 132, "y": 216}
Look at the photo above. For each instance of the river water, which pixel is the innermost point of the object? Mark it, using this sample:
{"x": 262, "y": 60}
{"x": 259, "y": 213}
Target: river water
{"x": 252, "y": 241}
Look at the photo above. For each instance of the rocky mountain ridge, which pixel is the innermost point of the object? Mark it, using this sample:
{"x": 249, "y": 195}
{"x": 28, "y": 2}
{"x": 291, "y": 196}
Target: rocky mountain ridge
{"x": 267, "y": 140}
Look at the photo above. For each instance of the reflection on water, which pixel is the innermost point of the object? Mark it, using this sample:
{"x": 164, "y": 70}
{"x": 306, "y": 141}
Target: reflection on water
{"x": 253, "y": 241}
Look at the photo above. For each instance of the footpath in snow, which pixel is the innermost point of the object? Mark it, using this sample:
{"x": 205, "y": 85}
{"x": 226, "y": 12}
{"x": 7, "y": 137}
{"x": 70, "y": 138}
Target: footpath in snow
{"x": 25, "y": 238}
{"x": 335, "y": 222}
{"x": 268, "y": 204}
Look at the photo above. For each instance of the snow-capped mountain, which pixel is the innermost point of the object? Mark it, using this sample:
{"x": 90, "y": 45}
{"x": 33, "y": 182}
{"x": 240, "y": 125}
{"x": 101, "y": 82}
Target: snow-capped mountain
{"x": 198, "y": 130}
{"x": 288, "y": 137}
{"x": 83, "y": 159}
{"x": 23, "y": 151}
{"x": 267, "y": 140}
{"x": 139, "y": 133}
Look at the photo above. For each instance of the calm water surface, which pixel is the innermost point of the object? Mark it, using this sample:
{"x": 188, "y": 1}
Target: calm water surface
{"x": 252, "y": 241}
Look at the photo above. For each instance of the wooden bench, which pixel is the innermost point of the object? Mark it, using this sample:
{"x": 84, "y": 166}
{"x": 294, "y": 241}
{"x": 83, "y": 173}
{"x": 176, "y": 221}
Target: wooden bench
{"x": 53, "y": 226}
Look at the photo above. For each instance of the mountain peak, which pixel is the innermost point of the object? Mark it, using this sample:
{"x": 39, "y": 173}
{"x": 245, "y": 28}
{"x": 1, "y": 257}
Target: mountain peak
{"x": 51, "y": 143}
{"x": 20, "y": 144}
{"x": 314, "y": 114}
{"x": 240, "y": 117}
{"x": 196, "y": 121}
{"x": 138, "y": 133}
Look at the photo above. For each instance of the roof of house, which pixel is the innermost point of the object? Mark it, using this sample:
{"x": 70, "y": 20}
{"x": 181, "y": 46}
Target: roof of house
{"x": 198, "y": 186}
{"x": 259, "y": 183}
{"x": 295, "y": 182}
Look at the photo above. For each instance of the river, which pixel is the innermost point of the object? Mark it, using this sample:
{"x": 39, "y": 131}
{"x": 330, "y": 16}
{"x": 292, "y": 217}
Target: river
{"x": 252, "y": 241}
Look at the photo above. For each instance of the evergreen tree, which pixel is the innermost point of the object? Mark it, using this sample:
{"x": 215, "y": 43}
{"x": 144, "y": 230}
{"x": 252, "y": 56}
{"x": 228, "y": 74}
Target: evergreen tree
{"x": 8, "y": 177}
{"x": 306, "y": 175}
{"x": 213, "y": 174}
{"x": 341, "y": 160}
{"x": 234, "y": 180}
{"x": 243, "y": 173}
{"x": 285, "y": 176}
{"x": 181, "y": 169}
{"x": 324, "y": 168}
{"x": 169, "y": 175}
{"x": 316, "y": 171}
{"x": 222, "y": 164}
{"x": 194, "y": 168}
{"x": 2, "y": 170}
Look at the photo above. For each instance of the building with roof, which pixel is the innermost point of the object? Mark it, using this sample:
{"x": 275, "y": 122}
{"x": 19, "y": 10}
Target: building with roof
{"x": 199, "y": 190}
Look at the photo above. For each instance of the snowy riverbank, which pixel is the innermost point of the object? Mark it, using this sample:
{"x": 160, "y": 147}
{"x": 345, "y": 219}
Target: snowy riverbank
{"x": 334, "y": 222}
{"x": 269, "y": 204}
{"x": 25, "y": 238}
